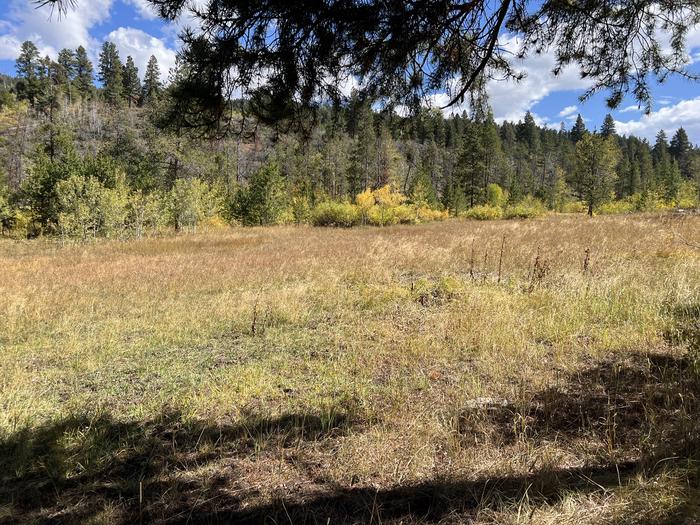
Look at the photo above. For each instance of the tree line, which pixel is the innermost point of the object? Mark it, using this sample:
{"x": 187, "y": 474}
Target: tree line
{"x": 82, "y": 158}
{"x": 42, "y": 81}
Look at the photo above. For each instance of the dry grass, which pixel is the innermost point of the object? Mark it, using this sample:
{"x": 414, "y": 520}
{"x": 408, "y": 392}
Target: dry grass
{"x": 383, "y": 375}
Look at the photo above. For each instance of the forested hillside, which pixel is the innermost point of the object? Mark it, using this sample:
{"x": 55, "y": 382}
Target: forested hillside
{"x": 90, "y": 151}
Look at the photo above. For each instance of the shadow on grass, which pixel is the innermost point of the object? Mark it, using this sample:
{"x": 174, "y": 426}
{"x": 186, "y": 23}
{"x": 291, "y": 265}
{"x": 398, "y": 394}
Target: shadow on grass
{"x": 643, "y": 409}
{"x": 634, "y": 407}
{"x": 73, "y": 469}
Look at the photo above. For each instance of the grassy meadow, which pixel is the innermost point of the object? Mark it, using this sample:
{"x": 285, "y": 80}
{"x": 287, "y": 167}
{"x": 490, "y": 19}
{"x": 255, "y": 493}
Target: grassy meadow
{"x": 538, "y": 371}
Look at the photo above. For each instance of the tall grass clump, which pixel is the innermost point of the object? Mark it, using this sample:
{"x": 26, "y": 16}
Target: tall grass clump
{"x": 484, "y": 212}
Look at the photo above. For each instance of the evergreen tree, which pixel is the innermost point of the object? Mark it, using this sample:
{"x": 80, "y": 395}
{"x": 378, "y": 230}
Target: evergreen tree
{"x": 673, "y": 181}
{"x": 596, "y": 159}
{"x": 529, "y": 133}
{"x": 494, "y": 157}
{"x": 387, "y": 159}
{"x": 680, "y": 149}
{"x": 131, "y": 82}
{"x": 110, "y": 73}
{"x": 65, "y": 72}
{"x": 608, "y": 128}
{"x": 646, "y": 168}
{"x": 362, "y": 150}
{"x": 617, "y": 44}
{"x": 83, "y": 74}
{"x": 28, "y": 65}
{"x": 662, "y": 163}
{"x": 264, "y": 200}
{"x": 660, "y": 151}
{"x": 422, "y": 191}
{"x": 472, "y": 165}
{"x": 152, "y": 86}
{"x": 579, "y": 130}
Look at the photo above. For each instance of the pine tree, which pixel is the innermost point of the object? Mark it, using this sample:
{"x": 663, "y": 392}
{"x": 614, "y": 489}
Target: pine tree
{"x": 662, "y": 162}
{"x": 494, "y": 152}
{"x": 646, "y": 168}
{"x": 529, "y": 133}
{"x": 608, "y": 128}
{"x": 471, "y": 163}
{"x": 387, "y": 159}
{"x": 596, "y": 159}
{"x": 673, "y": 181}
{"x": 48, "y": 97}
{"x": 362, "y": 150}
{"x": 131, "y": 82}
{"x": 422, "y": 191}
{"x": 680, "y": 149}
{"x": 557, "y": 191}
{"x": 65, "y": 71}
{"x": 660, "y": 151}
{"x": 110, "y": 73}
{"x": 152, "y": 86}
{"x": 635, "y": 179}
{"x": 28, "y": 65}
{"x": 579, "y": 130}
{"x": 83, "y": 74}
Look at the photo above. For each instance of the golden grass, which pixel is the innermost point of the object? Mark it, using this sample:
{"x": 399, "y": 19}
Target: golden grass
{"x": 229, "y": 371}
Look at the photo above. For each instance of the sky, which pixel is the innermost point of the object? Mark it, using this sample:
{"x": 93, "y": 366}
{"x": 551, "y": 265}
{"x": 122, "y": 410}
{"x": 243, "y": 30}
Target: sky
{"x": 137, "y": 31}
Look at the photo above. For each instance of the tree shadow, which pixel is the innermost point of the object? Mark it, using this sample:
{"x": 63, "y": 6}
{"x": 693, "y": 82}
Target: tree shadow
{"x": 631, "y": 408}
{"x": 70, "y": 470}
{"x": 640, "y": 409}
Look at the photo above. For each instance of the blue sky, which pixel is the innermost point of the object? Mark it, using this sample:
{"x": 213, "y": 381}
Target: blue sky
{"x": 137, "y": 31}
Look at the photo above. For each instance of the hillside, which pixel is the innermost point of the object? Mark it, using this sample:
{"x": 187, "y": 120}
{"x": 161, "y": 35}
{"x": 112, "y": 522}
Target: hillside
{"x": 121, "y": 160}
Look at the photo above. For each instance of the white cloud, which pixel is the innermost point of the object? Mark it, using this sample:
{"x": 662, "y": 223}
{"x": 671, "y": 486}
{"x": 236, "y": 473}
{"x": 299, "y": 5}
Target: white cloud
{"x": 666, "y": 101}
{"x": 140, "y": 46}
{"x": 9, "y": 47}
{"x": 144, "y": 8}
{"x": 511, "y": 100}
{"x": 669, "y": 118}
{"x": 568, "y": 110}
{"x": 23, "y": 21}
{"x": 187, "y": 19}
{"x": 630, "y": 109}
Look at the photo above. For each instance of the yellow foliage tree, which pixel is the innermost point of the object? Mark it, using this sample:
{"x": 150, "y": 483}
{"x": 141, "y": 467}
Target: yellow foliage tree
{"x": 365, "y": 201}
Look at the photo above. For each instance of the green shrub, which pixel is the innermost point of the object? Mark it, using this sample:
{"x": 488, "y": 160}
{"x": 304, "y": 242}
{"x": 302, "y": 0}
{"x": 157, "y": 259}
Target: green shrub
{"x": 426, "y": 214}
{"x": 528, "y": 208}
{"x": 5, "y": 211}
{"x": 113, "y": 210}
{"x": 192, "y": 201}
{"x": 485, "y": 212}
{"x": 614, "y": 207}
{"x": 147, "y": 213}
{"x": 574, "y": 207}
{"x": 264, "y": 200}
{"x": 406, "y": 214}
{"x": 687, "y": 195}
{"x": 79, "y": 200}
{"x": 39, "y": 189}
{"x": 19, "y": 223}
{"x": 650, "y": 200}
{"x": 382, "y": 215}
{"x": 495, "y": 196}
{"x": 329, "y": 213}
{"x": 301, "y": 211}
